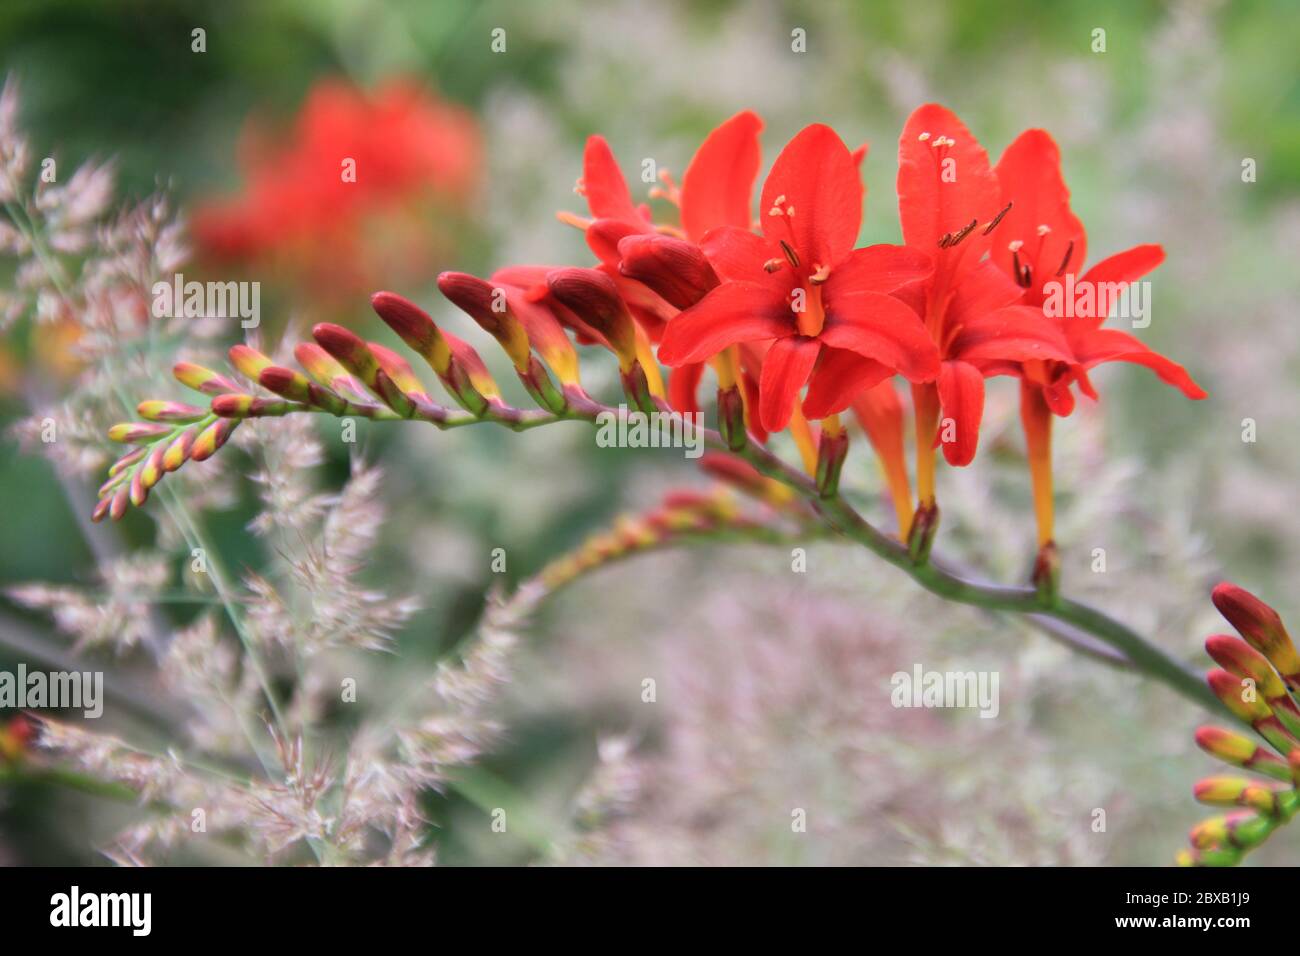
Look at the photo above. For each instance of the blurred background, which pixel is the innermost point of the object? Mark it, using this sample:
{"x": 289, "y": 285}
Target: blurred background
{"x": 772, "y": 687}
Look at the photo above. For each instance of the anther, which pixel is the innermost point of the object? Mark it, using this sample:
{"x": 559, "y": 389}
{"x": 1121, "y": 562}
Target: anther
{"x": 790, "y": 254}
{"x": 821, "y": 275}
{"x": 993, "y": 223}
{"x": 1044, "y": 229}
{"x": 1069, "y": 251}
{"x": 771, "y": 265}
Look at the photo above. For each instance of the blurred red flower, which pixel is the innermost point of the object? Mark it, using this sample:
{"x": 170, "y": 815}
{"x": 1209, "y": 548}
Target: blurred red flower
{"x": 352, "y": 192}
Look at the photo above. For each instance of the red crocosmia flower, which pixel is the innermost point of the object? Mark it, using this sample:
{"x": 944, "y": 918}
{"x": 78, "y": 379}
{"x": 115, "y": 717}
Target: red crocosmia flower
{"x": 949, "y": 204}
{"x": 349, "y": 193}
{"x": 804, "y": 286}
{"x": 1042, "y": 246}
{"x": 717, "y": 190}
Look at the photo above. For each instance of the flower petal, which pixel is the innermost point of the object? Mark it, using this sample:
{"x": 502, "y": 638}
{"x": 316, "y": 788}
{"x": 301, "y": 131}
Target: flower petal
{"x": 961, "y": 396}
{"x": 603, "y": 184}
{"x": 683, "y": 387}
{"x": 1112, "y": 345}
{"x": 786, "y": 368}
{"x": 1029, "y": 174}
{"x": 733, "y": 312}
{"x": 1019, "y": 333}
{"x": 740, "y": 254}
{"x": 943, "y": 187}
{"x": 879, "y": 268}
{"x": 816, "y": 177}
{"x": 839, "y": 378}
{"x": 1115, "y": 272}
{"x": 881, "y": 327}
{"x": 718, "y": 185}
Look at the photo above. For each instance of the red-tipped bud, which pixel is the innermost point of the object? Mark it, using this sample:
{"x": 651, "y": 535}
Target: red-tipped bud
{"x": 138, "y": 433}
{"x": 156, "y": 410}
{"x": 1259, "y": 624}
{"x": 126, "y": 461}
{"x": 674, "y": 269}
{"x": 202, "y": 379}
{"x": 348, "y": 348}
{"x": 487, "y": 305}
{"x": 398, "y": 370}
{"x": 1240, "y": 751}
{"x": 212, "y": 438}
{"x": 326, "y": 371}
{"x": 1235, "y": 792}
{"x": 1239, "y": 695}
{"x": 1237, "y": 657}
{"x": 742, "y": 475}
{"x": 594, "y": 298}
{"x": 414, "y": 326}
{"x": 248, "y": 360}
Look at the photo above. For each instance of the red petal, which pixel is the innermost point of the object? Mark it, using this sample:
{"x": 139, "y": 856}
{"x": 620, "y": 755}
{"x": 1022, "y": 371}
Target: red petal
{"x": 931, "y": 205}
{"x": 785, "y": 370}
{"x": 1029, "y": 173}
{"x": 683, "y": 387}
{"x": 840, "y": 377}
{"x": 1111, "y": 345}
{"x": 816, "y": 177}
{"x": 1120, "y": 269}
{"x": 983, "y": 290}
{"x": 603, "y": 237}
{"x": 733, "y": 312}
{"x": 718, "y": 185}
{"x": 1019, "y": 333}
{"x": 961, "y": 395}
{"x": 603, "y": 184}
{"x": 881, "y": 327}
{"x": 740, "y": 254}
{"x": 879, "y": 268}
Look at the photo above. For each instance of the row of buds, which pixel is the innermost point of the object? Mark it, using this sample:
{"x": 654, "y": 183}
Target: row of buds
{"x": 1259, "y": 672}
{"x": 681, "y": 514}
{"x": 170, "y": 434}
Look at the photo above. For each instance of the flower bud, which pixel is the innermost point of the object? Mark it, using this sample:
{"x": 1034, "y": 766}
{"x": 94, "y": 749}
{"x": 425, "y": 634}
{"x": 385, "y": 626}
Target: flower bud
{"x": 248, "y": 360}
{"x": 674, "y": 269}
{"x": 1235, "y": 792}
{"x": 594, "y": 298}
{"x": 414, "y": 327}
{"x": 202, "y": 379}
{"x": 1260, "y": 625}
{"x": 137, "y": 433}
{"x": 156, "y": 410}
{"x": 1240, "y": 751}
{"x": 487, "y": 305}
{"x": 1237, "y": 657}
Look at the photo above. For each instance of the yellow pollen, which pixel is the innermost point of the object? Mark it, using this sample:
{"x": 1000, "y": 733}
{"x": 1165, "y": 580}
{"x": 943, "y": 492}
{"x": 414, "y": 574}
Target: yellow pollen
{"x": 778, "y": 200}
{"x": 1016, "y": 245}
{"x": 923, "y": 137}
{"x": 1044, "y": 229}
{"x": 821, "y": 275}
{"x": 774, "y": 211}
{"x": 789, "y": 210}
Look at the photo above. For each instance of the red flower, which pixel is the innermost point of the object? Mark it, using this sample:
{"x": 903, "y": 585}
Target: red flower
{"x": 660, "y": 269}
{"x": 949, "y": 204}
{"x": 1042, "y": 246}
{"x": 302, "y": 208}
{"x": 801, "y": 284}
